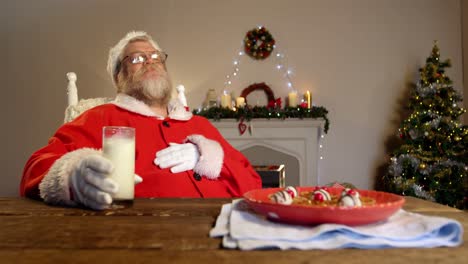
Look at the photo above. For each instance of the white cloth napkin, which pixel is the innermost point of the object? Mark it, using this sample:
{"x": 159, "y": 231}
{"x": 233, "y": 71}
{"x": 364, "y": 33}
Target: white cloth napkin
{"x": 241, "y": 228}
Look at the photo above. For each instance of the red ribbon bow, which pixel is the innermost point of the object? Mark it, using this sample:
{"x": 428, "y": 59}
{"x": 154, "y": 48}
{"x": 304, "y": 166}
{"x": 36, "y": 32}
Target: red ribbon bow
{"x": 274, "y": 103}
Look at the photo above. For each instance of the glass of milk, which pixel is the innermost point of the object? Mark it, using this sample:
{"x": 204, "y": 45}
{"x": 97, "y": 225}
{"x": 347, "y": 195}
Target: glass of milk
{"x": 118, "y": 145}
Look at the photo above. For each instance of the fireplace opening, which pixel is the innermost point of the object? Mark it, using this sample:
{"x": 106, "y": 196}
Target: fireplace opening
{"x": 263, "y": 156}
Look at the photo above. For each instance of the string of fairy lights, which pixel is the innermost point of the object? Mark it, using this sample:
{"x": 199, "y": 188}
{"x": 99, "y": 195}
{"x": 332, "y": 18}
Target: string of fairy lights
{"x": 282, "y": 68}
{"x": 279, "y": 65}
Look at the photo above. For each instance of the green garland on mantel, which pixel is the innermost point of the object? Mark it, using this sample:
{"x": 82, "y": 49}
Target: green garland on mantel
{"x": 249, "y": 113}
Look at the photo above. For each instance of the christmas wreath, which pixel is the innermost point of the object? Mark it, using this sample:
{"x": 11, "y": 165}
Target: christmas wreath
{"x": 258, "y": 86}
{"x": 259, "y": 43}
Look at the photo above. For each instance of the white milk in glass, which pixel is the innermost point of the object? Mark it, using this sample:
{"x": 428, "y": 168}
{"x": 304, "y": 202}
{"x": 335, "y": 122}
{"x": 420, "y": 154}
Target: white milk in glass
{"x": 119, "y": 148}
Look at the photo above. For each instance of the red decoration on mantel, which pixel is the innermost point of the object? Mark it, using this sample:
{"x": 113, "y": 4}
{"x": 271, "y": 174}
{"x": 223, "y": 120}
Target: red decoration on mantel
{"x": 259, "y": 86}
{"x": 242, "y": 127}
{"x": 274, "y": 103}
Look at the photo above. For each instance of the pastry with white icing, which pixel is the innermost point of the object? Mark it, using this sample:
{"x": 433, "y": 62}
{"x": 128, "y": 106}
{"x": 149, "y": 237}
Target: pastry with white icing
{"x": 285, "y": 196}
{"x": 349, "y": 198}
{"x": 321, "y": 194}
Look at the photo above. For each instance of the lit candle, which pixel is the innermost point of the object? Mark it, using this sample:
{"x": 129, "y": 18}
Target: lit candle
{"x": 240, "y": 102}
{"x": 308, "y": 99}
{"x": 292, "y": 99}
{"x": 226, "y": 100}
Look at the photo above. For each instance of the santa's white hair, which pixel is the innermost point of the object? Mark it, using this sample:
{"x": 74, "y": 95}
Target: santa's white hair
{"x": 116, "y": 52}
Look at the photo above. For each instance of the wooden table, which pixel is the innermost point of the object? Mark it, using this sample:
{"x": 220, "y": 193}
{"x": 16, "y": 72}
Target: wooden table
{"x": 172, "y": 231}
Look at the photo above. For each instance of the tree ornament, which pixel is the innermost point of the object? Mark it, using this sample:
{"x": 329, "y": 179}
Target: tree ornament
{"x": 413, "y": 134}
{"x": 422, "y": 166}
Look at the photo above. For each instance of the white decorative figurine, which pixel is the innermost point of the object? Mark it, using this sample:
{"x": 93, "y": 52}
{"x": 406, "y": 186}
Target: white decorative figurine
{"x": 181, "y": 94}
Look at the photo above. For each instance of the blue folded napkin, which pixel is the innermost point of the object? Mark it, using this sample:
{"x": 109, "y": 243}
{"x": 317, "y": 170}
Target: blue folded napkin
{"x": 242, "y": 228}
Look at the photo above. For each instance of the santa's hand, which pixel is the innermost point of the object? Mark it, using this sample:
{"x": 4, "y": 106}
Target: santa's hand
{"x": 178, "y": 157}
{"x": 90, "y": 184}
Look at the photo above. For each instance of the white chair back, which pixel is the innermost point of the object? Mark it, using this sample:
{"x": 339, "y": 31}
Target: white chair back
{"x": 75, "y": 107}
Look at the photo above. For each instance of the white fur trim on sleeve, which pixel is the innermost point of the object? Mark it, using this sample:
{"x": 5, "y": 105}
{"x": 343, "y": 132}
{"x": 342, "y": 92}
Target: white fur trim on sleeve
{"x": 54, "y": 188}
{"x": 211, "y": 156}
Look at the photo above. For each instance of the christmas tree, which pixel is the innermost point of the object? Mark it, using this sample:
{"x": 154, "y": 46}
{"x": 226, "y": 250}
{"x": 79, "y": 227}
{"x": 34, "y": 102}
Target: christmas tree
{"x": 431, "y": 162}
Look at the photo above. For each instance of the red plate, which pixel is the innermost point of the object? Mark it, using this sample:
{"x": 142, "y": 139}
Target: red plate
{"x": 386, "y": 204}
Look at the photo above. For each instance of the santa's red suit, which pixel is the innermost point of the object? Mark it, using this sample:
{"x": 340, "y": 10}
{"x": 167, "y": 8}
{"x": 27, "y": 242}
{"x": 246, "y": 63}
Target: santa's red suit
{"x": 221, "y": 171}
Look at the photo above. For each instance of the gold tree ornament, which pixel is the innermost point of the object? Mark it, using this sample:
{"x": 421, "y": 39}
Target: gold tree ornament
{"x": 422, "y": 166}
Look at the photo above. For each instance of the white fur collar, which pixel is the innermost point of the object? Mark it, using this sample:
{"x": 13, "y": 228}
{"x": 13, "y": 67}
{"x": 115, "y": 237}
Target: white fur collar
{"x": 176, "y": 110}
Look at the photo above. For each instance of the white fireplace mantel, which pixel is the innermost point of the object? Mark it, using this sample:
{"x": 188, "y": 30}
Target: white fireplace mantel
{"x": 296, "y": 137}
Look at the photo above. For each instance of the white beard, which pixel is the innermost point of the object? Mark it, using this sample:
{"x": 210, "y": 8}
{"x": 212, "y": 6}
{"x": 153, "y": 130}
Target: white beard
{"x": 157, "y": 90}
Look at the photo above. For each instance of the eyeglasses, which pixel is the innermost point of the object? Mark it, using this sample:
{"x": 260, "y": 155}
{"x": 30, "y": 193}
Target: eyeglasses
{"x": 141, "y": 57}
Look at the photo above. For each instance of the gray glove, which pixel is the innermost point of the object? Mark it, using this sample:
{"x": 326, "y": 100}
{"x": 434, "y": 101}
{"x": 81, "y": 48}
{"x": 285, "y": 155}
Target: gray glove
{"x": 90, "y": 184}
{"x": 178, "y": 157}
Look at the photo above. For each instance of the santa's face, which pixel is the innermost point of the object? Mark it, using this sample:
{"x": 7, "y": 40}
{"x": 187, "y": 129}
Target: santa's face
{"x": 144, "y": 74}
{"x": 143, "y": 50}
